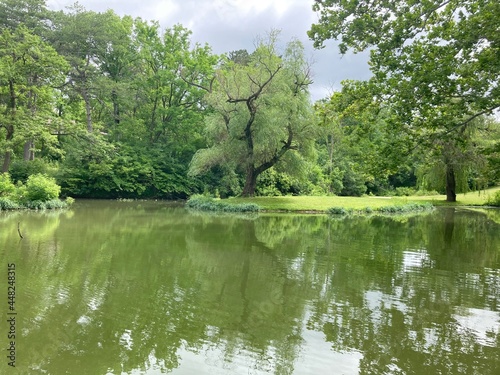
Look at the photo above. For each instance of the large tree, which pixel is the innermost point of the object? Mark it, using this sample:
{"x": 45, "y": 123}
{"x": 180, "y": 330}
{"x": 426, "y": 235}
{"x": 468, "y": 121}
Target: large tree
{"x": 94, "y": 44}
{"x": 261, "y": 111}
{"x": 30, "y": 70}
{"x": 436, "y": 62}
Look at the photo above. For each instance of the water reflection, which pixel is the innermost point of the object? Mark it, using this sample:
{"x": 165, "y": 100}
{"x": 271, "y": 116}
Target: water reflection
{"x": 117, "y": 287}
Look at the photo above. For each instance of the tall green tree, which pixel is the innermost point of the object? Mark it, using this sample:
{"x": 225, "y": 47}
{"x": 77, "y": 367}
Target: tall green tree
{"x": 356, "y": 147}
{"x": 168, "y": 105}
{"x": 437, "y": 62}
{"x": 261, "y": 112}
{"x": 90, "y": 41}
{"x": 33, "y": 14}
{"x": 30, "y": 72}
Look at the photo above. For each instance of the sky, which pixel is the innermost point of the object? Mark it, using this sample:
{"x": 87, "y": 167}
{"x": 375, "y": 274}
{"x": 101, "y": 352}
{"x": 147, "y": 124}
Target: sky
{"x": 229, "y": 25}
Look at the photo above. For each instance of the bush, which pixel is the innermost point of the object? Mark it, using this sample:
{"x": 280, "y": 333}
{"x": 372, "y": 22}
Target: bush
{"x": 7, "y": 188}
{"x": 204, "y": 203}
{"x": 20, "y": 170}
{"x": 395, "y": 209}
{"x": 410, "y": 207}
{"x": 40, "y": 187}
{"x": 56, "y": 204}
{"x": 404, "y": 191}
{"x": 35, "y": 205}
{"x": 495, "y": 200}
{"x": 337, "y": 211}
{"x": 7, "y": 204}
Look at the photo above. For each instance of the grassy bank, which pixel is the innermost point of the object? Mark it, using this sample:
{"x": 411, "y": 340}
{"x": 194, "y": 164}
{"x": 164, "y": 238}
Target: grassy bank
{"x": 53, "y": 204}
{"x": 322, "y": 204}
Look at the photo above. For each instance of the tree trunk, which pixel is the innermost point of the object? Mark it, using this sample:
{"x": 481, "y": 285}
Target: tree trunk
{"x": 7, "y": 155}
{"x": 88, "y": 111}
{"x": 29, "y": 152}
{"x": 250, "y": 182}
{"x": 6, "y": 162}
{"x": 451, "y": 183}
{"x": 116, "y": 107}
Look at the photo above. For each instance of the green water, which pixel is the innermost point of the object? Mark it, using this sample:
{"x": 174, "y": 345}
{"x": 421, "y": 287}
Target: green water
{"x": 150, "y": 288}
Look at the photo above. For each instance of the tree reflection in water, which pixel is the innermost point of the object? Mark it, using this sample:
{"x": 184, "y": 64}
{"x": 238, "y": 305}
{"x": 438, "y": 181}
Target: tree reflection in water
{"x": 121, "y": 287}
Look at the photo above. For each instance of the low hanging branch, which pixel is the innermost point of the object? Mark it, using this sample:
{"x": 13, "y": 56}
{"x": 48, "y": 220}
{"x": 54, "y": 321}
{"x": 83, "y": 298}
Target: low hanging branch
{"x": 19, "y": 230}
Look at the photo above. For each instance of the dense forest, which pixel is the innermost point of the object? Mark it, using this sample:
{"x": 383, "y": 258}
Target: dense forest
{"x": 116, "y": 107}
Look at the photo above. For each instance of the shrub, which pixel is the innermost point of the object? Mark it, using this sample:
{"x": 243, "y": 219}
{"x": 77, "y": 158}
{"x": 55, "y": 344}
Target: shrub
{"x": 495, "y": 200}
{"x": 337, "y": 211}
{"x": 41, "y": 188}
{"x": 7, "y": 204}
{"x": 35, "y": 205}
{"x": 20, "y": 170}
{"x": 204, "y": 203}
{"x": 410, "y": 207}
{"x": 7, "y": 188}
{"x": 404, "y": 191}
{"x": 56, "y": 204}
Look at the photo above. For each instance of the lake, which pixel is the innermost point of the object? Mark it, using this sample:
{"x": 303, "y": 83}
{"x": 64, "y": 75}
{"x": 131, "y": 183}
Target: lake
{"x": 113, "y": 287}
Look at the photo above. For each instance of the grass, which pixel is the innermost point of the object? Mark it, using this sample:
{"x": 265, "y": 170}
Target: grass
{"x": 8, "y": 205}
{"x": 202, "y": 203}
{"x": 367, "y": 203}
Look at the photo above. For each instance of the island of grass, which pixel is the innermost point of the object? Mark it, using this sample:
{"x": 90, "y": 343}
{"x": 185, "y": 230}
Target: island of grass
{"x": 343, "y": 205}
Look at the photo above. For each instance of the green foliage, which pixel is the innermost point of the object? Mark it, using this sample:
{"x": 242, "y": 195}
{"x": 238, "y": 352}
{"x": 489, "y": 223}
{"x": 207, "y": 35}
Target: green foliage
{"x": 204, "y": 203}
{"x": 353, "y": 184}
{"x": 426, "y": 58}
{"x": 250, "y": 104}
{"x": 404, "y": 191}
{"x": 410, "y": 207}
{"x": 494, "y": 200}
{"x": 353, "y": 151}
{"x": 39, "y": 193}
{"x": 337, "y": 211}
{"x": 20, "y": 170}
{"x": 31, "y": 68}
{"x": 105, "y": 170}
{"x": 124, "y": 108}
{"x": 7, "y": 188}
{"x": 54, "y": 204}
{"x": 273, "y": 183}
{"x": 388, "y": 209}
{"x": 35, "y": 205}
{"x": 8, "y": 204}
{"x": 41, "y": 188}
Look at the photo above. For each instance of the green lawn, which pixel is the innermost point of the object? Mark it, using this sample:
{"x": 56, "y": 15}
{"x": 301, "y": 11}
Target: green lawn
{"x": 309, "y": 203}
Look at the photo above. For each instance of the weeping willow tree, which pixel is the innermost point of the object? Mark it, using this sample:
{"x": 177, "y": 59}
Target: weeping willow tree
{"x": 262, "y": 116}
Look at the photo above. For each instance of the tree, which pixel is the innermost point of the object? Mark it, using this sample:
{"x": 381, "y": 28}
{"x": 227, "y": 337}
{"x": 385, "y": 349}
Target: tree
{"x": 436, "y": 62}
{"x": 168, "y": 105}
{"x": 33, "y": 14}
{"x": 30, "y": 70}
{"x": 90, "y": 41}
{"x": 356, "y": 144}
{"x": 261, "y": 112}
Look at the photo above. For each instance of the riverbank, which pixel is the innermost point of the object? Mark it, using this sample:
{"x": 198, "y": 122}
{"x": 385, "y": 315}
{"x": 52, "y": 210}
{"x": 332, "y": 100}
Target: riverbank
{"x": 366, "y": 203}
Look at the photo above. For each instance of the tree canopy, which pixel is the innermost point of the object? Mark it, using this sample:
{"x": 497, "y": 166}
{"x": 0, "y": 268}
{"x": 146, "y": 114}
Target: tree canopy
{"x": 262, "y": 114}
{"x": 436, "y": 63}
{"x": 117, "y": 107}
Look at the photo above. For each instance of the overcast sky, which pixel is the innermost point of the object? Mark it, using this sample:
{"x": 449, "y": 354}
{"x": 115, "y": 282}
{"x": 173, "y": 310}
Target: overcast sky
{"x": 228, "y": 25}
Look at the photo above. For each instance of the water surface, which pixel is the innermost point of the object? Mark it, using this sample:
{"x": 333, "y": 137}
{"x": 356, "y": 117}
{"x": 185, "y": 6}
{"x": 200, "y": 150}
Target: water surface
{"x": 151, "y": 288}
